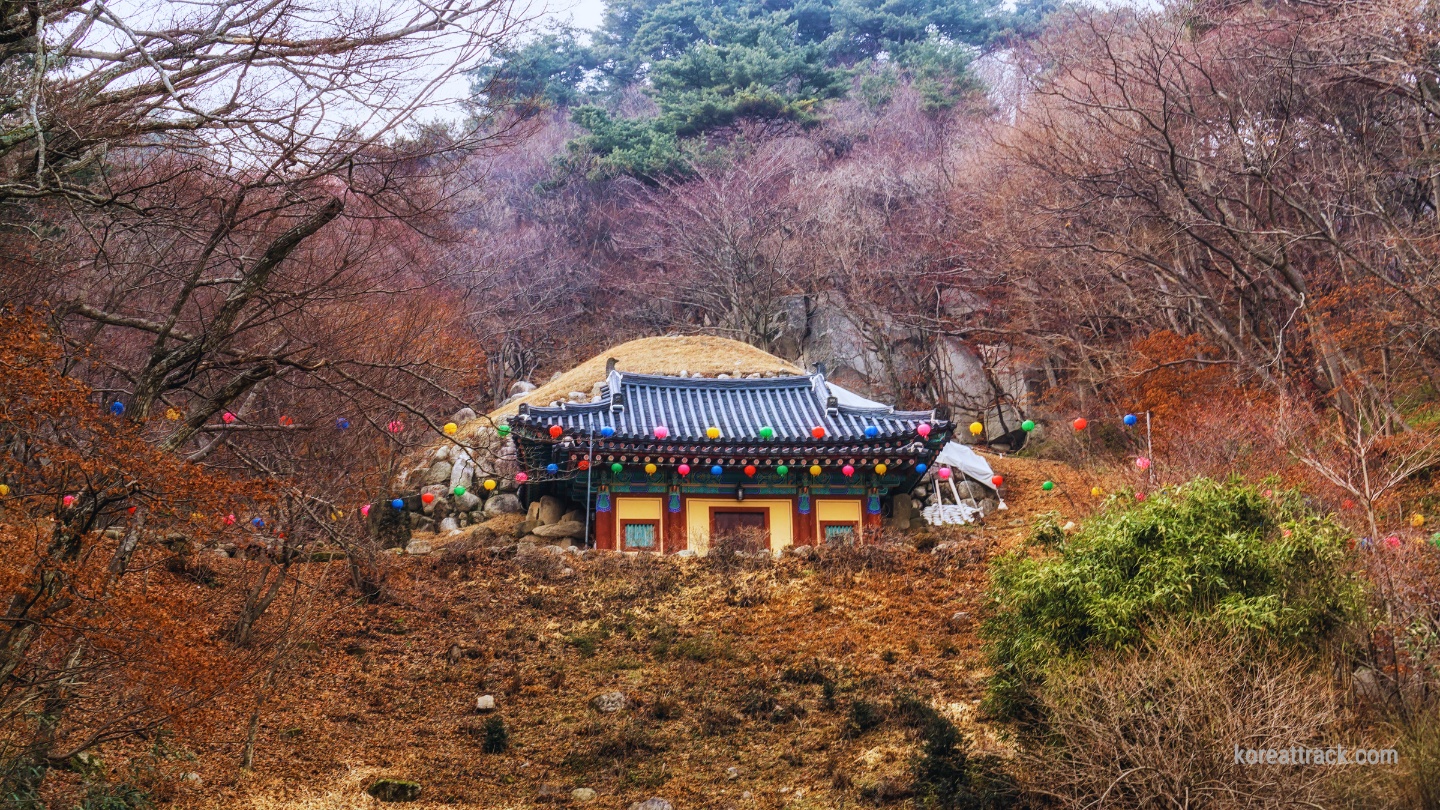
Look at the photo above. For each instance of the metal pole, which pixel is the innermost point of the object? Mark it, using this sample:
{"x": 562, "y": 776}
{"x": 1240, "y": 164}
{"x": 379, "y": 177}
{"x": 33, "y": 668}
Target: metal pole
{"x": 589, "y": 471}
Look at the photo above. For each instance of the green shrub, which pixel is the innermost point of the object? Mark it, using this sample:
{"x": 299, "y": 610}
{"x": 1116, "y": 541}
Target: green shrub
{"x": 497, "y": 737}
{"x": 864, "y": 716}
{"x": 1216, "y": 554}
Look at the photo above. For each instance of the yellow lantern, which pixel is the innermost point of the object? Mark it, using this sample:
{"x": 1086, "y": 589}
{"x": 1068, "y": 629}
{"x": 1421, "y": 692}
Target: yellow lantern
{"x": 336, "y": 514}
{"x": 197, "y": 516}
{"x": 650, "y": 469}
{"x": 713, "y": 432}
{"x": 1417, "y": 520}
{"x": 814, "y": 469}
{"x": 489, "y": 484}
{"x": 880, "y": 468}
{"x": 976, "y": 428}
{"x": 172, "y": 414}
{"x": 1096, "y": 491}
{"x": 451, "y": 428}
{"x": 4, "y": 490}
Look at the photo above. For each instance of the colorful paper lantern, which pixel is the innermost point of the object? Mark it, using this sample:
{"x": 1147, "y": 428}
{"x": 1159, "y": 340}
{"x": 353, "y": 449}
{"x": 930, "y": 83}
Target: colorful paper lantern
{"x": 342, "y": 423}
{"x": 662, "y": 432}
{"x": 767, "y": 432}
{"x": 451, "y": 428}
{"x": 1435, "y": 539}
{"x": 1417, "y": 520}
{"x": 1079, "y": 424}
{"x": 814, "y": 469}
{"x": 1131, "y": 420}
{"x": 583, "y": 464}
{"x": 172, "y": 414}
{"x": 503, "y": 430}
{"x": 130, "y": 511}
{"x": 398, "y": 503}
{"x": 117, "y": 408}
{"x": 923, "y": 430}
{"x": 997, "y": 480}
{"x": 552, "y": 468}
{"x": 871, "y": 431}
{"x": 1027, "y": 425}
{"x": 607, "y": 431}
{"x": 522, "y": 477}
{"x": 782, "y": 470}
{"x": 847, "y": 471}
{"x": 458, "y": 491}
{"x": 750, "y": 470}
{"x": 683, "y": 469}
{"x": 1096, "y": 491}
{"x": 1139, "y": 496}
{"x": 286, "y": 421}
{"x": 395, "y": 426}
{"x": 365, "y": 510}
{"x": 257, "y": 522}
{"x": 489, "y": 485}
{"x": 230, "y": 520}
{"x": 1048, "y": 485}
{"x": 336, "y": 514}
{"x": 427, "y": 498}
{"x": 1393, "y": 541}
{"x": 920, "y": 468}
{"x": 717, "y": 470}
{"x": 976, "y": 428}
{"x": 555, "y": 431}
{"x": 227, "y": 417}
{"x": 713, "y": 432}
{"x": 1347, "y": 504}
{"x": 818, "y": 432}
{"x": 650, "y": 469}
{"x": 1143, "y": 463}
{"x": 881, "y": 468}
{"x": 617, "y": 468}
{"x": 4, "y": 490}
{"x": 943, "y": 473}
{"x": 68, "y": 500}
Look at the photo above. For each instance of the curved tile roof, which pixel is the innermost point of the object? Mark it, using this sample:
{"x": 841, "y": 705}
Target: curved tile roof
{"x": 687, "y": 406}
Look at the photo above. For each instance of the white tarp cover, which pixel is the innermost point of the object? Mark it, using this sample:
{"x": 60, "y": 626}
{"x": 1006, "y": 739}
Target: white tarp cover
{"x": 968, "y": 461}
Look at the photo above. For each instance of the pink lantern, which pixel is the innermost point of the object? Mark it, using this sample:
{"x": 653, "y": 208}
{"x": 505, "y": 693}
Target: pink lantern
{"x": 943, "y": 473}
{"x": 227, "y": 417}
{"x": 395, "y": 426}
{"x": 1143, "y": 463}
{"x": 230, "y": 520}
{"x": 923, "y": 430}
{"x": 365, "y": 510}
{"x": 68, "y": 500}
{"x": 521, "y": 477}
{"x": 683, "y": 469}
{"x": 1393, "y": 541}
{"x": 1139, "y": 496}
{"x": 847, "y": 470}
{"x": 662, "y": 432}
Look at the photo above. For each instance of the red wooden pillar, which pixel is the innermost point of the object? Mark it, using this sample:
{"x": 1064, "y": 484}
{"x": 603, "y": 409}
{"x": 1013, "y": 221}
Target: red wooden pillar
{"x": 677, "y": 527}
{"x": 605, "y": 530}
{"x": 804, "y": 524}
{"x": 870, "y": 525}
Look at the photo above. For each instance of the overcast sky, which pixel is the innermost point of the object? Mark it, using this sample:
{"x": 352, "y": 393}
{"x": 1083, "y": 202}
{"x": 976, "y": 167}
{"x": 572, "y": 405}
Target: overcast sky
{"x": 581, "y": 13}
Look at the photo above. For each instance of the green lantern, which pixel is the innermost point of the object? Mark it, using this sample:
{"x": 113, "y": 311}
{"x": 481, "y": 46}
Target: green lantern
{"x": 1048, "y": 485}
{"x": 1027, "y": 426}
{"x": 503, "y": 430}
{"x": 459, "y": 491}
{"x": 617, "y": 468}
{"x": 782, "y": 470}
{"x": 767, "y": 432}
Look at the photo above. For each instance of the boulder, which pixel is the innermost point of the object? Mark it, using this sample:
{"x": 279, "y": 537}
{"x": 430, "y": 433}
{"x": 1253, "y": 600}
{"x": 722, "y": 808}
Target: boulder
{"x": 417, "y": 547}
{"x": 485, "y": 703}
{"x": 551, "y": 508}
{"x": 573, "y": 516}
{"x": 654, "y": 802}
{"x": 503, "y": 504}
{"x": 449, "y": 524}
{"x": 555, "y": 530}
{"x": 394, "y": 790}
{"x": 532, "y": 514}
{"x": 609, "y": 702}
{"x": 439, "y": 473}
{"x": 582, "y": 795}
{"x": 465, "y": 503}
{"x": 521, "y": 387}
{"x": 463, "y": 415}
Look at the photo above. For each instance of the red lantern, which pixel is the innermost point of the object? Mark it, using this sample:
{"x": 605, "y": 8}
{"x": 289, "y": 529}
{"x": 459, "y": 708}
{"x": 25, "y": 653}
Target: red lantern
{"x": 1347, "y": 504}
{"x": 286, "y": 421}
{"x": 1080, "y": 423}
{"x": 131, "y": 510}
{"x": 428, "y": 497}
{"x": 555, "y": 431}
{"x": 998, "y": 481}
{"x": 584, "y": 464}
{"x": 818, "y": 432}
{"x": 750, "y": 469}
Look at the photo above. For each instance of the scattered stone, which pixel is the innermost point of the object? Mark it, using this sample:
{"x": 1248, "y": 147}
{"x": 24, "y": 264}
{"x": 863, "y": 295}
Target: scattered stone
{"x": 549, "y": 794}
{"x": 439, "y": 473}
{"x": 449, "y": 525}
{"x": 503, "y": 504}
{"x": 609, "y": 703}
{"x": 394, "y": 790}
{"x": 560, "y": 530}
{"x": 1069, "y": 527}
{"x": 532, "y": 513}
{"x": 485, "y": 703}
{"x": 579, "y": 396}
{"x": 567, "y": 572}
{"x": 417, "y": 547}
{"x": 803, "y": 552}
{"x": 653, "y": 803}
{"x": 732, "y": 772}
{"x": 582, "y": 795}
{"x": 467, "y": 502}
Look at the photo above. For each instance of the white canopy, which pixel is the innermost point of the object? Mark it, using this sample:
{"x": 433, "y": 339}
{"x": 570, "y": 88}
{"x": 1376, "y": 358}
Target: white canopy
{"x": 962, "y": 458}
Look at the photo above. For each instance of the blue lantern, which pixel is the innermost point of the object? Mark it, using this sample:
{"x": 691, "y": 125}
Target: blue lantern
{"x": 117, "y": 407}
{"x": 398, "y": 503}
{"x": 342, "y": 424}
{"x": 716, "y": 470}
{"x": 552, "y": 468}
{"x": 920, "y": 468}
{"x": 1131, "y": 420}
{"x": 607, "y": 431}
{"x": 871, "y": 432}
{"x": 257, "y": 522}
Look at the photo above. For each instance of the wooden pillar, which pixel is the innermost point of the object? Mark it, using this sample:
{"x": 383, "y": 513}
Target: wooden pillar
{"x": 677, "y": 527}
{"x": 869, "y": 525}
{"x": 804, "y": 524}
{"x": 605, "y": 530}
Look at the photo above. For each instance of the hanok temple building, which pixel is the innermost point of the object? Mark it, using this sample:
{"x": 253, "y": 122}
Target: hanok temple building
{"x": 669, "y": 464}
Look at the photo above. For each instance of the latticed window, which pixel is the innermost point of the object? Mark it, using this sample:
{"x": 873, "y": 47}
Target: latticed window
{"x": 640, "y": 535}
{"x": 839, "y": 533}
